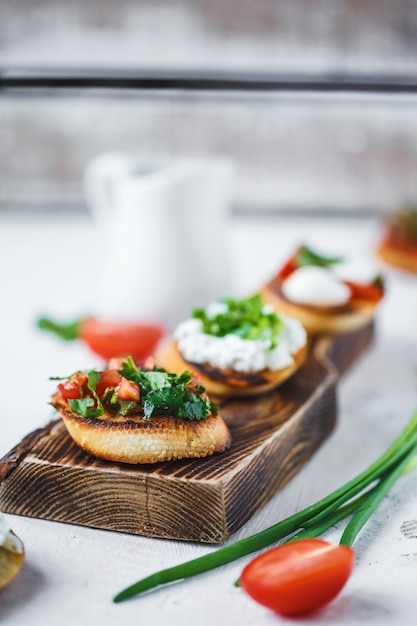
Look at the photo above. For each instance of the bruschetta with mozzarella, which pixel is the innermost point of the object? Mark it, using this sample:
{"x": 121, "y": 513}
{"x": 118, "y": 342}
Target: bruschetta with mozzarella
{"x": 237, "y": 347}
{"x": 327, "y": 294}
{"x": 134, "y": 414}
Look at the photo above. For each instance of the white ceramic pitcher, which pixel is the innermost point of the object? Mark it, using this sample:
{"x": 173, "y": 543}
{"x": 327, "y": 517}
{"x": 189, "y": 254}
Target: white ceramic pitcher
{"x": 164, "y": 233}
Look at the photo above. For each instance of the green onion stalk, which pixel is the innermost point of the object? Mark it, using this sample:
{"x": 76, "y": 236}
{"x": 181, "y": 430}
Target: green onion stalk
{"x": 358, "y": 498}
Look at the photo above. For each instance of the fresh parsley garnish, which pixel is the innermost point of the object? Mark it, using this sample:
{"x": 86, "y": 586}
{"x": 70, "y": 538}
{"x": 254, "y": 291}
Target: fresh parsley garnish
{"x": 161, "y": 393}
{"x": 86, "y": 407}
{"x": 246, "y": 318}
{"x": 164, "y": 393}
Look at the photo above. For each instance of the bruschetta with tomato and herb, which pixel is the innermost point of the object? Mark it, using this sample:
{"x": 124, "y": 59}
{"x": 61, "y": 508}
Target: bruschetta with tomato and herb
{"x": 398, "y": 243}
{"x": 134, "y": 414}
{"x": 327, "y": 294}
{"x": 237, "y": 347}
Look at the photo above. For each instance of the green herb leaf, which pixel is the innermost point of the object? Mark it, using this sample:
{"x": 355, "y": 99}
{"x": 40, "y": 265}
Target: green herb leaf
{"x": 67, "y": 332}
{"x": 307, "y": 256}
{"x": 164, "y": 393}
{"x": 125, "y": 407}
{"x": 245, "y": 318}
{"x": 86, "y": 407}
{"x": 157, "y": 379}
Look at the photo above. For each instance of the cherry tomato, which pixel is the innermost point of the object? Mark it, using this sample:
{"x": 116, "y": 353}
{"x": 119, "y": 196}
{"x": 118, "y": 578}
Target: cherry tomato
{"x": 113, "y": 339}
{"x": 299, "y": 576}
{"x": 288, "y": 268}
{"x": 359, "y": 291}
{"x": 74, "y": 387}
{"x": 108, "y": 378}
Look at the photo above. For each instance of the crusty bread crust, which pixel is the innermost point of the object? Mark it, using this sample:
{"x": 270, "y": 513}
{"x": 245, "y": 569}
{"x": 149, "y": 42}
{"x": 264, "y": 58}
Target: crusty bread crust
{"x": 225, "y": 383}
{"x": 135, "y": 440}
{"x": 404, "y": 259}
{"x": 315, "y": 319}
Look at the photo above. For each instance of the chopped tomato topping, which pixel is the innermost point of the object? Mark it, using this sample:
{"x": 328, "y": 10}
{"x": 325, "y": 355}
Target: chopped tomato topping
{"x": 128, "y": 390}
{"x": 115, "y": 363}
{"x": 149, "y": 363}
{"x": 75, "y": 387}
{"x": 108, "y": 379}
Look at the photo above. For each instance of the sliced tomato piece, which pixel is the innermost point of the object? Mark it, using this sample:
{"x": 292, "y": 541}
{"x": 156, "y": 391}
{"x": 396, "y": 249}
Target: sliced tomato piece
{"x": 287, "y": 269}
{"x": 128, "y": 390}
{"x": 108, "y": 379}
{"x": 299, "y": 576}
{"x": 115, "y": 339}
{"x": 373, "y": 293}
{"x": 115, "y": 363}
{"x": 74, "y": 387}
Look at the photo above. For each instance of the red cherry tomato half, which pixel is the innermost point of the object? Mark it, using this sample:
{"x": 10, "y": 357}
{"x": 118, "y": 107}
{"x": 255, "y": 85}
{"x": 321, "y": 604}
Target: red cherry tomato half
{"x": 299, "y": 576}
{"x": 373, "y": 293}
{"x": 287, "y": 269}
{"x": 111, "y": 339}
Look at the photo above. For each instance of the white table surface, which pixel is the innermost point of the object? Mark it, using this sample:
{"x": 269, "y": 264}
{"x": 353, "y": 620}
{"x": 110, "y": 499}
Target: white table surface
{"x": 71, "y": 573}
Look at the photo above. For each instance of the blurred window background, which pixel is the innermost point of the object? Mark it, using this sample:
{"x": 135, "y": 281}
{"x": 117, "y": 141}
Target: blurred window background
{"x": 315, "y": 100}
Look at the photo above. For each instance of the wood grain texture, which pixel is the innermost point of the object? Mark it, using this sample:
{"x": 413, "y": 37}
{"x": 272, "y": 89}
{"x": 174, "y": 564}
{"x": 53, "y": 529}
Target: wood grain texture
{"x": 47, "y": 476}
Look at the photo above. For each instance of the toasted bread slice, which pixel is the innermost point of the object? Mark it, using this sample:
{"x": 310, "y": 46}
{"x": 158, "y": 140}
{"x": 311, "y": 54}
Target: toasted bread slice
{"x": 404, "y": 258}
{"x": 136, "y": 440}
{"x": 229, "y": 383}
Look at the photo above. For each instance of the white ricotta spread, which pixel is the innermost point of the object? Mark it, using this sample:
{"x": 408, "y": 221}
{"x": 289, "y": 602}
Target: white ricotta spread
{"x": 8, "y": 540}
{"x": 233, "y": 352}
{"x": 316, "y": 286}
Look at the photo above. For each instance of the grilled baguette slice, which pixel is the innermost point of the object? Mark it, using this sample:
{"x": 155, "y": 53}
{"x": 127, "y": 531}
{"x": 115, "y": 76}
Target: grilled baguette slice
{"x": 229, "y": 383}
{"x": 134, "y": 440}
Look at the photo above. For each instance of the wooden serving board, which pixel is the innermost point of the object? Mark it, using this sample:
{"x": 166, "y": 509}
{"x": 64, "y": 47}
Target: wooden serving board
{"x": 205, "y": 500}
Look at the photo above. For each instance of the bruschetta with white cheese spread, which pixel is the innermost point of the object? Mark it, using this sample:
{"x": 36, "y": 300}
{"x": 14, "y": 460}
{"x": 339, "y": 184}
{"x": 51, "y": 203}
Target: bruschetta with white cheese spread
{"x": 237, "y": 347}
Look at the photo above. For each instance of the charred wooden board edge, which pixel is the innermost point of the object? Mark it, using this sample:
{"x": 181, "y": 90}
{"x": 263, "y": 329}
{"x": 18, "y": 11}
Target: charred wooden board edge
{"x": 342, "y": 351}
{"x": 219, "y": 508}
